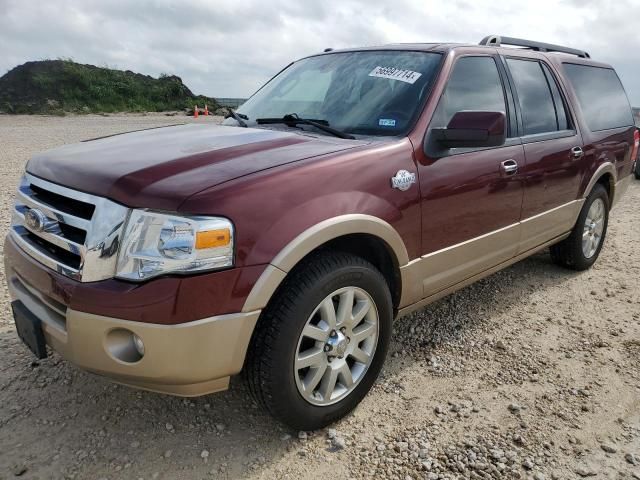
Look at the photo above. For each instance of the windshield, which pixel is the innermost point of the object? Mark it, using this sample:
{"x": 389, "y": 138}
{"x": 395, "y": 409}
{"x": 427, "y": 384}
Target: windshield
{"x": 366, "y": 93}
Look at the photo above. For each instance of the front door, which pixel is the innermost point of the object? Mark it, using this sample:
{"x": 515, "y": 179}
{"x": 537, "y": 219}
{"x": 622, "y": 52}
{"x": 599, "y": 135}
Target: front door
{"x": 471, "y": 198}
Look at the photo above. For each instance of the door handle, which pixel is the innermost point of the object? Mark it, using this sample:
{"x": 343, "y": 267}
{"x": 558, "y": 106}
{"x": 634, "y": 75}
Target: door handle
{"x": 576, "y": 152}
{"x": 509, "y": 167}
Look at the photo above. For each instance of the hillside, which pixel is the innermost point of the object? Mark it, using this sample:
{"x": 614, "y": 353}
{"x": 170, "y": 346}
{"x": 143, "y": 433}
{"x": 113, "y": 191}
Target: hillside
{"x": 56, "y": 86}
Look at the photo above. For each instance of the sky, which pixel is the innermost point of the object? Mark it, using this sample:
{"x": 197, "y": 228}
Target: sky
{"x": 228, "y": 48}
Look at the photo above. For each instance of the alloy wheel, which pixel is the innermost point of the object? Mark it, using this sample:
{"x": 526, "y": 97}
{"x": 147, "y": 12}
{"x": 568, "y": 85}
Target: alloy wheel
{"x": 336, "y": 346}
{"x": 593, "y": 228}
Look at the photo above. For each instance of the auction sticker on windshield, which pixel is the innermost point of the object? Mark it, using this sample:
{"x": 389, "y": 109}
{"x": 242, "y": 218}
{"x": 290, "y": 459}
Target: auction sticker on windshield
{"x": 393, "y": 73}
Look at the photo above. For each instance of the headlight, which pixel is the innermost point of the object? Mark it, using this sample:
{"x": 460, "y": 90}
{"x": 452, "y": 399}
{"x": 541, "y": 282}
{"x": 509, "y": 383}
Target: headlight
{"x": 156, "y": 244}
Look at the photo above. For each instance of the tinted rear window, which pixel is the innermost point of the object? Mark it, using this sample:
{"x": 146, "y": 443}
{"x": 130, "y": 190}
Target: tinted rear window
{"x": 536, "y": 101}
{"x": 601, "y": 96}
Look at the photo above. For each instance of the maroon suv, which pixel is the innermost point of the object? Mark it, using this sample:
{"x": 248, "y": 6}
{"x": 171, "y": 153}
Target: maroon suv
{"x": 354, "y": 187}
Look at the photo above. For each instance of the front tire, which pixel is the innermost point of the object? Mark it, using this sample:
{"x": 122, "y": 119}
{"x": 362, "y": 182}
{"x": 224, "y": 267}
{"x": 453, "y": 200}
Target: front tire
{"x": 321, "y": 342}
{"x": 582, "y": 248}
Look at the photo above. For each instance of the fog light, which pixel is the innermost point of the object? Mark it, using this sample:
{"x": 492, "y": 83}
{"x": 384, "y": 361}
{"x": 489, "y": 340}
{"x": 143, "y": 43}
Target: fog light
{"x": 124, "y": 345}
{"x": 137, "y": 342}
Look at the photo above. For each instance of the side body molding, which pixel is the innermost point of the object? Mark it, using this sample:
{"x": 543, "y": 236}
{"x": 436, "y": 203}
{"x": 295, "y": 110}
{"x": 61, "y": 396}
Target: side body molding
{"x": 311, "y": 239}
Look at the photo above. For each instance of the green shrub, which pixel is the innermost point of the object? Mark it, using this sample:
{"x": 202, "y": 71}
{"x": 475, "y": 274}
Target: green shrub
{"x": 53, "y": 86}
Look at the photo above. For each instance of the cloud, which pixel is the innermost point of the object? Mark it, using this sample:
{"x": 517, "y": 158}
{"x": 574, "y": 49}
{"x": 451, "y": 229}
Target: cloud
{"x": 229, "y": 48}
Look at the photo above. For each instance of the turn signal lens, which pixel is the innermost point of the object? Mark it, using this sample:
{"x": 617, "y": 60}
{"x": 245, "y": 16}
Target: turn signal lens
{"x": 213, "y": 238}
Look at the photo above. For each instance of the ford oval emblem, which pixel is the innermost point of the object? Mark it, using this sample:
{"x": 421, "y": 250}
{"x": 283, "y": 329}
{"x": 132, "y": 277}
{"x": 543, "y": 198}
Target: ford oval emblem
{"x": 403, "y": 180}
{"x": 35, "y": 220}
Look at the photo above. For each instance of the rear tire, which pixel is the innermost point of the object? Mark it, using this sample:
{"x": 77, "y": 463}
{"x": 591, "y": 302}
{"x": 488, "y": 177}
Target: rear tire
{"x": 582, "y": 248}
{"x": 297, "y": 369}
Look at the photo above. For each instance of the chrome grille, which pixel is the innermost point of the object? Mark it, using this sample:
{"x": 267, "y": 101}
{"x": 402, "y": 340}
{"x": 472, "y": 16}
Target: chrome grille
{"x": 71, "y": 232}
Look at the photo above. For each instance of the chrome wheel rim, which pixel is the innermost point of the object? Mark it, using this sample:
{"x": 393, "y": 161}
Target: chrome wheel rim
{"x": 593, "y": 228}
{"x": 336, "y": 346}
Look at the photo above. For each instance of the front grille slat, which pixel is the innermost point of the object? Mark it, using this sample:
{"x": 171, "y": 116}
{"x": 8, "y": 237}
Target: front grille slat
{"x": 71, "y": 232}
{"x": 68, "y": 205}
{"x": 24, "y": 199}
{"x": 56, "y": 238}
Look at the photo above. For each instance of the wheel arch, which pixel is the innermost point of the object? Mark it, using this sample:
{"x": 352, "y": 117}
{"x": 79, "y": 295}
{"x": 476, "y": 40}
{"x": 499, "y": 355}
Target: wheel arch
{"x": 605, "y": 175}
{"x": 363, "y": 235}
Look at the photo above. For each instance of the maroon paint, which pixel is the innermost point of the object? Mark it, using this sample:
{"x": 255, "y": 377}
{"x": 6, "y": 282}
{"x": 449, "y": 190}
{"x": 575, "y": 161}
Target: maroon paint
{"x": 272, "y": 207}
{"x": 491, "y": 122}
{"x": 612, "y": 146}
{"x": 552, "y": 176}
{"x": 168, "y": 300}
{"x": 274, "y": 185}
{"x": 466, "y": 195}
{"x": 159, "y": 168}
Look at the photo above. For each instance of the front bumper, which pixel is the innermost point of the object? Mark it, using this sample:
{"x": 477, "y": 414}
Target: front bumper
{"x": 187, "y": 359}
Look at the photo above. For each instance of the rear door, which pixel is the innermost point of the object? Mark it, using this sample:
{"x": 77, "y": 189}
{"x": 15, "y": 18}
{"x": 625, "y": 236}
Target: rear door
{"x": 553, "y": 151}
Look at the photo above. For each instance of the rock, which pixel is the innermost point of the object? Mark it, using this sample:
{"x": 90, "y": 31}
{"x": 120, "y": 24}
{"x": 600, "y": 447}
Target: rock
{"x": 19, "y": 470}
{"x": 331, "y": 433}
{"x": 338, "y": 443}
{"x": 167, "y": 454}
{"x": 169, "y": 427}
{"x": 204, "y": 455}
{"x": 135, "y": 444}
{"x": 527, "y": 464}
{"x": 584, "y": 472}
{"x": 514, "y": 408}
{"x": 538, "y": 476}
{"x": 220, "y": 427}
{"x": 632, "y": 459}
{"x": 302, "y": 435}
{"x": 608, "y": 448}
{"x": 401, "y": 447}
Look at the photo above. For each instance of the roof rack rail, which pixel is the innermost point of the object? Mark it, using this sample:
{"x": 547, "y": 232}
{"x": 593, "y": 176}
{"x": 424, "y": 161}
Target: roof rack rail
{"x": 497, "y": 41}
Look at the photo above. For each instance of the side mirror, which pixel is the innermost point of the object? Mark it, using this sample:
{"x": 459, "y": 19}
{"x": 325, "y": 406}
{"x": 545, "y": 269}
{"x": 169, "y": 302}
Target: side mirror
{"x": 473, "y": 129}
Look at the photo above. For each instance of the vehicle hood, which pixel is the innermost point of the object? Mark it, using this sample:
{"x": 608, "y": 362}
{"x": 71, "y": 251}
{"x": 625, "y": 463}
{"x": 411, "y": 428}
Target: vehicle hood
{"x": 160, "y": 168}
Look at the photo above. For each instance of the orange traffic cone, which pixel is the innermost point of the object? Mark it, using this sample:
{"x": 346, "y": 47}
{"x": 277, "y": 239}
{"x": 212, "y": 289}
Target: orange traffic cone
{"x": 206, "y": 110}
{"x": 195, "y": 112}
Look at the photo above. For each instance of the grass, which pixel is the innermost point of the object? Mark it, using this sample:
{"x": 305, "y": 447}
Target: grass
{"x": 55, "y": 86}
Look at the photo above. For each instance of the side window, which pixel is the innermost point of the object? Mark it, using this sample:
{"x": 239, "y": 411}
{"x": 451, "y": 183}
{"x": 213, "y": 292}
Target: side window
{"x": 602, "y": 98}
{"x": 562, "y": 115}
{"x": 474, "y": 84}
{"x": 534, "y": 96}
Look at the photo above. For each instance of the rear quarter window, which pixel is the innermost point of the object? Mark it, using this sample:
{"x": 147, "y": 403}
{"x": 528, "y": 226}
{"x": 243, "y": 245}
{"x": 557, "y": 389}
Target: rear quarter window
{"x": 602, "y": 98}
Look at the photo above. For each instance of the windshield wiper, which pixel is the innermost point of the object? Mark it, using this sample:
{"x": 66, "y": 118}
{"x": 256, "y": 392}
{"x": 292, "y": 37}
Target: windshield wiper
{"x": 238, "y": 117}
{"x": 292, "y": 119}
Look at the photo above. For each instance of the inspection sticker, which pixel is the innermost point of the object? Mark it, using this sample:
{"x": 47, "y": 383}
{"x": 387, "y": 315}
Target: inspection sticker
{"x": 387, "y": 122}
{"x": 393, "y": 73}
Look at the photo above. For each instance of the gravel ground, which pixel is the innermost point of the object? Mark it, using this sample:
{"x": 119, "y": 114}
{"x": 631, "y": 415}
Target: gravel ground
{"x": 530, "y": 373}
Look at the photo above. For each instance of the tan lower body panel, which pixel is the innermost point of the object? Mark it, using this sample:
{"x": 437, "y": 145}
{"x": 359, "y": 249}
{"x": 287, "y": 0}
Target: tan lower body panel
{"x": 191, "y": 390}
{"x": 189, "y": 359}
{"x": 446, "y": 270}
{"x": 540, "y": 228}
{"x": 621, "y": 188}
{"x": 194, "y": 358}
{"x": 443, "y": 293}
